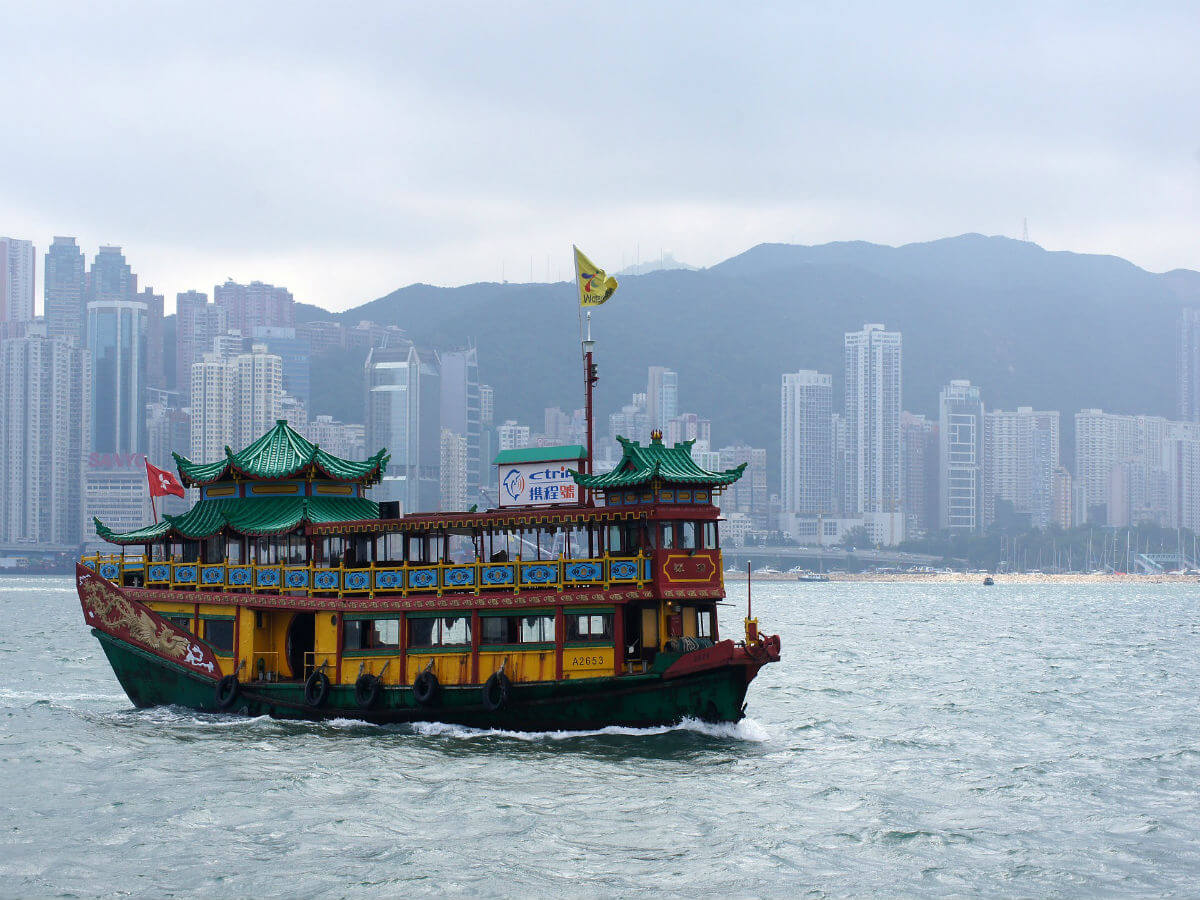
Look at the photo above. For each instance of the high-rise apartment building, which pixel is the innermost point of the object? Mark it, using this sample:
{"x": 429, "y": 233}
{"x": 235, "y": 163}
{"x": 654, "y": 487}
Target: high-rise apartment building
{"x": 235, "y": 400}
{"x": 919, "y": 447}
{"x": 1182, "y": 459}
{"x": 454, "y": 471}
{"x": 116, "y": 338}
{"x": 872, "y": 404}
{"x": 462, "y": 415}
{"x": 156, "y": 372}
{"x": 294, "y": 349}
{"x": 633, "y": 422}
{"x": 64, "y": 281}
{"x": 749, "y": 493}
{"x": 255, "y": 305}
{"x": 1021, "y": 455}
{"x": 960, "y": 454}
{"x": 512, "y": 436}
{"x": 1188, "y": 365}
{"x": 662, "y": 396}
{"x": 806, "y": 443}
{"x": 197, "y": 324}
{"x": 404, "y": 415}
{"x": 1104, "y": 440}
{"x": 44, "y": 423}
{"x": 18, "y": 280}
{"x": 687, "y": 427}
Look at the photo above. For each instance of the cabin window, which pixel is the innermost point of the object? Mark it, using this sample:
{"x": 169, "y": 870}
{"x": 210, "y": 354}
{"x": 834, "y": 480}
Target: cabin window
{"x": 687, "y": 535}
{"x": 666, "y": 535}
{"x": 371, "y": 634}
{"x": 517, "y": 629}
{"x": 184, "y": 622}
{"x": 710, "y": 535}
{"x": 219, "y": 634}
{"x": 589, "y": 627}
{"x": 704, "y": 623}
{"x": 537, "y": 629}
{"x": 439, "y": 632}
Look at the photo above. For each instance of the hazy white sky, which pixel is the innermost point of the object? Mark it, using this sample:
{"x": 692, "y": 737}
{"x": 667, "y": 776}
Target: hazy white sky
{"x": 344, "y": 150}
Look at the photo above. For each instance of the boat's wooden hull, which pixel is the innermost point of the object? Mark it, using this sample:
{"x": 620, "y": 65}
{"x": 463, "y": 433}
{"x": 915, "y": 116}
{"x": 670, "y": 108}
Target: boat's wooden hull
{"x": 714, "y": 694}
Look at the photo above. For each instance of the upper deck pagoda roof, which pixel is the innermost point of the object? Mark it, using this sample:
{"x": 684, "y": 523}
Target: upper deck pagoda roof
{"x": 656, "y": 461}
{"x": 273, "y": 515}
{"x": 281, "y": 453}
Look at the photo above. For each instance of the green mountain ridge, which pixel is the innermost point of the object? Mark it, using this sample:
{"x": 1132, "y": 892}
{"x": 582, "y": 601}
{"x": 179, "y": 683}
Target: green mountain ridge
{"x": 1055, "y": 330}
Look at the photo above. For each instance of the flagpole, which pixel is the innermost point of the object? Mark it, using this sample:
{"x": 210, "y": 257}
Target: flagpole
{"x": 589, "y": 380}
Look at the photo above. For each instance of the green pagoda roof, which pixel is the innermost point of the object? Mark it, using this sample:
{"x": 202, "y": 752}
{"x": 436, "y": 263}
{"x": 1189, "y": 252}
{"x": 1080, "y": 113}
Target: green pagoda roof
{"x": 281, "y": 453}
{"x": 268, "y": 515}
{"x": 641, "y": 465}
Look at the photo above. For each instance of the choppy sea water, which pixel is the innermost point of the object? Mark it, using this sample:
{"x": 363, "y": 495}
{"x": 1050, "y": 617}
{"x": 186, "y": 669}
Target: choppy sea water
{"x": 916, "y": 740}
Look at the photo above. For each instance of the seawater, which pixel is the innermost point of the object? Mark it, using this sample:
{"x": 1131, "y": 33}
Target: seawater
{"x": 917, "y": 740}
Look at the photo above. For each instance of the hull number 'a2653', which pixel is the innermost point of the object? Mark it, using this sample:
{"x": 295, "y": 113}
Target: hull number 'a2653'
{"x": 588, "y": 661}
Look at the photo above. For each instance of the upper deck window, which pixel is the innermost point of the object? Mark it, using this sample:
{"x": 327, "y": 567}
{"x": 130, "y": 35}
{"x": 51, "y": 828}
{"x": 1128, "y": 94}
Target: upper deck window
{"x": 219, "y": 634}
{"x": 517, "y": 629}
{"x": 589, "y": 626}
{"x": 439, "y": 632}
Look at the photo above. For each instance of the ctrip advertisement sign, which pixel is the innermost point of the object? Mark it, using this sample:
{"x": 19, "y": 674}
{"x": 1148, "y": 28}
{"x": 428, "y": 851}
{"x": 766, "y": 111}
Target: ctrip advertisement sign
{"x": 538, "y": 483}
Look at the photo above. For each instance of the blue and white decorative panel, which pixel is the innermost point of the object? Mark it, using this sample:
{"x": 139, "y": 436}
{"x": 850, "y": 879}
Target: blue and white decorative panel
{"x": 212, "y": 575}
{"x": 389, "y": 579}
{"x": 646, "y": 570}
{"x": 422, "y": 578}
{"x": 325, "y": 580}
{"x": 623, "y": 570}
{"x": 239, "y": 576}
{"x": 497, "y": 575}
{"x": 295, "y": 578}
{"x": 459, "y": 576}
{"x": 356, "y": 580}
{"x": 539, "y": 573}
{"x": 583, "y": 571}
{"x": 109, "y": 570}
{"x": 185, "y": 574}
{"x": 159, "y": 572}
{"x": 266, "y": 578}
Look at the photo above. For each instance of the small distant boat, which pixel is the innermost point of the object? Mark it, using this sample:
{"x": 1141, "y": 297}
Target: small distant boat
{"x": 812, "y": 576}
{"x": 988, "y": 580}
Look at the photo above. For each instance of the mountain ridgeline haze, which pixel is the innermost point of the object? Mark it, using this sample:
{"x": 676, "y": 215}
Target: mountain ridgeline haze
{"x": 1054, "y": 330}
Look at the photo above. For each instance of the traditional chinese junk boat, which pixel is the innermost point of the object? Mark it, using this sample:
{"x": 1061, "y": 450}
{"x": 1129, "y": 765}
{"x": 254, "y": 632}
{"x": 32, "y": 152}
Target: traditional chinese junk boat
{"x": 582, "y": 601}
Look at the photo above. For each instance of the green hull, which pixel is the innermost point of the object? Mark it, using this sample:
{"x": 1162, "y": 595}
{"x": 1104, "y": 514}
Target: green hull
{"x": 639, "y": 701}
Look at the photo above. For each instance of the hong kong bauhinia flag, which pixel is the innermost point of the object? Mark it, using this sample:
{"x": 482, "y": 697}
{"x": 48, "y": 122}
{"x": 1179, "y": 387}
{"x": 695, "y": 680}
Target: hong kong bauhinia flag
{"x": 162, "y": 482}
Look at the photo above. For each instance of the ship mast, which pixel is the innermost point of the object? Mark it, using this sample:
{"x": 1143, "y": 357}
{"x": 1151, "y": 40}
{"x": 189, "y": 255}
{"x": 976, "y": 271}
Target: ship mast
{"x": 589, "y": 380}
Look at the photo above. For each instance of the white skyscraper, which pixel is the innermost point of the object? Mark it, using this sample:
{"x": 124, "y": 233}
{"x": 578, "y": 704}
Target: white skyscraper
{"x": 235, "y": 400}
{"x": 806, "y": 443}
{"x": 960, "y": 456}
{"x": 662, "y": 396}
{"x": 1021, "y": 454}
{"x": 873, "y": 476}
{"x": 1105, "y": 441}
{"x": 1188, "y": 365}
{"x": 18, "y": 280}
{"x": 43, "y": 436}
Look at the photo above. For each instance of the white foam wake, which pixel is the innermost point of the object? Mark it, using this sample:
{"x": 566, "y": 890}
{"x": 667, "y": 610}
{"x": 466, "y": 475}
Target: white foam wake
{"x": 745, "y": 730}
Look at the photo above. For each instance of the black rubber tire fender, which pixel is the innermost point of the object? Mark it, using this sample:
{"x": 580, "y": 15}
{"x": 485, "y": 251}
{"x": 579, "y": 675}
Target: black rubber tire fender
{"x": 227, "y": 691}
{"x": 367, "y": 690}
{"x": 496, "y": 692}
{"x": 425, "y": 688}
{"x": 316, "y": 689}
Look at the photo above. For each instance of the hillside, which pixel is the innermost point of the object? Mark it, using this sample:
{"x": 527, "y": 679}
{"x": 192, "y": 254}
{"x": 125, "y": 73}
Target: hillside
{"x": 1052, "y": 329}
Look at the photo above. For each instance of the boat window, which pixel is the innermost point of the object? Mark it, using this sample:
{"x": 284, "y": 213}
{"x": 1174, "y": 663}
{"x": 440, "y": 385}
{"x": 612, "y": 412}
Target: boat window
{"x": 371, "y": 634}
{"x": 687, "y": 535}
{"x": 537, "y": 629}
{"x": 219, "y": 634}
{"x": 439, "y": 632}
{"x": 612, "y": 538}
{"x": 704, "y": 623}
{"x": 184, "y": 622}
{"x": 233, "y": 551}
{"x": 666, "y": 535}
{"x": 499, "y": 630}
{"x": 710, "y": 535}
{"x": 589, "y": 627}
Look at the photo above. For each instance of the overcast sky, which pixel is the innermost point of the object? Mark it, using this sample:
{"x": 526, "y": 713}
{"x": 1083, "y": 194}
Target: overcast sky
{"x": 344, "y": 150}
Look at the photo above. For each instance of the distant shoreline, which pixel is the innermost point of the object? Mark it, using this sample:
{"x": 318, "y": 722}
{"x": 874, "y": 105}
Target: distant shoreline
{"x": 977, "y": 578}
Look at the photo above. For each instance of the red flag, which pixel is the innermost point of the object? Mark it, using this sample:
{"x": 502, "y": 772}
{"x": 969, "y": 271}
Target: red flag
{"x": 162, "y": 482}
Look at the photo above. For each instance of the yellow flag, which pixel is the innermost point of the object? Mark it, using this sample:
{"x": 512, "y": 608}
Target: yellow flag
{"x": 594, "y": 286}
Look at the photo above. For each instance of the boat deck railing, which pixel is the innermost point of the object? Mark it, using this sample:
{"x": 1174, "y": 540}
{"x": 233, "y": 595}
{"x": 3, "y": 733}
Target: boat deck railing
{"x": 376, "y": 579}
